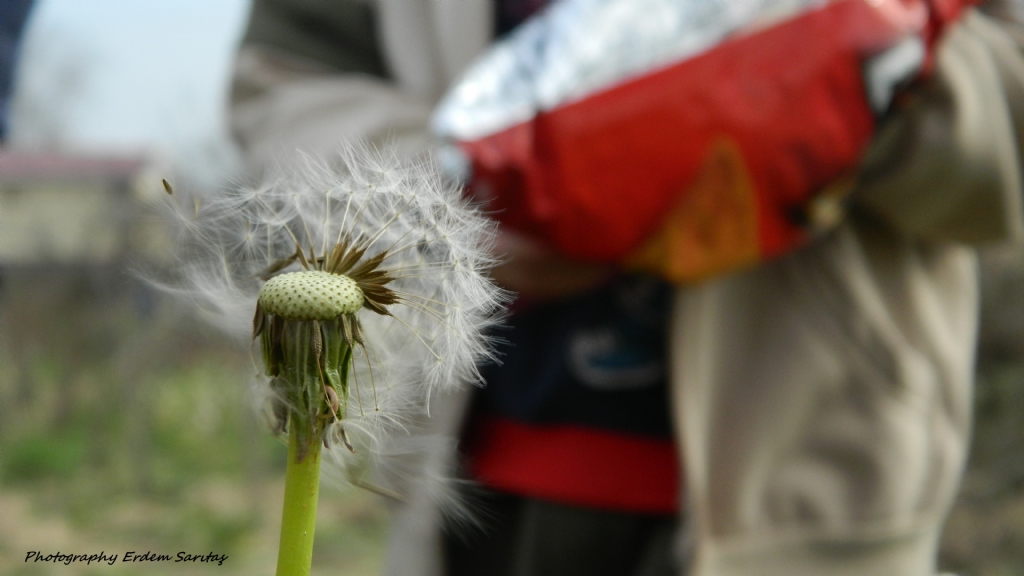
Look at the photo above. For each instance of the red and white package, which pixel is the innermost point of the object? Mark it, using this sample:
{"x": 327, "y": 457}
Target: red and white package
{"x": 687, "y": 137}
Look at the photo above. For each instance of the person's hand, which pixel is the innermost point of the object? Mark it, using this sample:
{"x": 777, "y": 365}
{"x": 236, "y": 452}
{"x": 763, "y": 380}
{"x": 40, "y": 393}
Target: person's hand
{"x": 538, "y": 273}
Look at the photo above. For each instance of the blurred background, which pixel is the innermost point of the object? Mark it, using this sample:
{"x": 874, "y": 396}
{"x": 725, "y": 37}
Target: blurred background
{"x": 124, "y": 423}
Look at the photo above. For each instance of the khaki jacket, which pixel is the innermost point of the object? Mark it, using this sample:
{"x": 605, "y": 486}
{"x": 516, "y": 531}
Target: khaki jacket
{"x": 823, "y": 400}
{"x": 286, "y": 97}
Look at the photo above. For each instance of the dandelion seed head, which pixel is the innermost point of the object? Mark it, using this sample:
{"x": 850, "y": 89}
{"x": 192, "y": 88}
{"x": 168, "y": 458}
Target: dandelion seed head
{"x": 310, "y": 295}
{"x": 401, "y": 256}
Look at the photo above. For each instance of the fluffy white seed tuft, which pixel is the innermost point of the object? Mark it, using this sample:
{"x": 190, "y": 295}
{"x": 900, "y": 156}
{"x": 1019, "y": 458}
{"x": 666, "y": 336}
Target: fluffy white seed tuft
{"x": 438, "y": 249}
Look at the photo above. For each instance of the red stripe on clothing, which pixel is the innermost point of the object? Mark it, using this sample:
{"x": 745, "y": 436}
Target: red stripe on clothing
{"x": 576, "y": 465}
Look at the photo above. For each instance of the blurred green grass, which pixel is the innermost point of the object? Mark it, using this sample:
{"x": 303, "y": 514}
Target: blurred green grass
{"x": 125, "y": 425}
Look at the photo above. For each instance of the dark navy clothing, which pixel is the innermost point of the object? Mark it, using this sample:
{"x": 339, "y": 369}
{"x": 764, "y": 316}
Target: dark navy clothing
{"x": 510, "y": 13}
{"x": 595, "y": 359}
{"x": 577, "y": 412}
{"x": 13, "y": 14}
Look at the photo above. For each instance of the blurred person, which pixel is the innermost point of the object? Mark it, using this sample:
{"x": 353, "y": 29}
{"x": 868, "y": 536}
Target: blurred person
{"x": 822, "y": 399}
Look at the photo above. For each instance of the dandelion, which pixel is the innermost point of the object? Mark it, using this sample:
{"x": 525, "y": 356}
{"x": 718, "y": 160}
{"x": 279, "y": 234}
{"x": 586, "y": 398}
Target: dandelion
{"x": 370, "y": 290}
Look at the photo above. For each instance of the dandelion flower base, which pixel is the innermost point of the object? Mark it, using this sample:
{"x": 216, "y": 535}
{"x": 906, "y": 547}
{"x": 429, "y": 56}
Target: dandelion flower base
{"x": 310, "y": 295}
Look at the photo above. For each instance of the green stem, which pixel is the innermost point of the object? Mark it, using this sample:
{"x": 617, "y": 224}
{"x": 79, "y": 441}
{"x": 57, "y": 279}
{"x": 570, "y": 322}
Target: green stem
{"x": 301, "y": 487}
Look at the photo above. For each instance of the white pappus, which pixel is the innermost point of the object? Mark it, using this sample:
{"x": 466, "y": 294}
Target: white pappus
{"x": 419, "y": 251}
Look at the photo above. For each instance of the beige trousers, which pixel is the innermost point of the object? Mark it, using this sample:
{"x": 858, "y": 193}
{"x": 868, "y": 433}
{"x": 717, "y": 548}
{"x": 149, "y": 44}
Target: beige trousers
{"x": 823, "y": 403}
